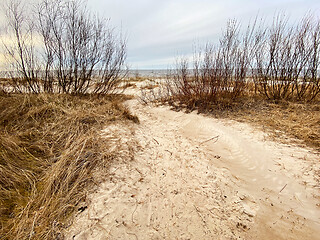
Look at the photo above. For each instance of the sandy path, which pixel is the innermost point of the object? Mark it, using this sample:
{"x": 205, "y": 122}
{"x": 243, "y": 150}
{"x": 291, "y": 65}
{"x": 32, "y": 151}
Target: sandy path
{"x": 195, "y": 177}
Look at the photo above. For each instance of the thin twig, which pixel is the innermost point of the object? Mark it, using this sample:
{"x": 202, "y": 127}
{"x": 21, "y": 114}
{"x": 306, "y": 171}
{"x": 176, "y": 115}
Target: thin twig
{"x": 216, "y": 137}
{"x": 132, "y": 234}
{"x": 169, "y": 152}
{"x": 134, "y": 211}
{"x": 156, "y": 141}
{"x": 283, "y": 188}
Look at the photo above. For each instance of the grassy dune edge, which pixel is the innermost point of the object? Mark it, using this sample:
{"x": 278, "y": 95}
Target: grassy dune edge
{"x": 50, "y": 144}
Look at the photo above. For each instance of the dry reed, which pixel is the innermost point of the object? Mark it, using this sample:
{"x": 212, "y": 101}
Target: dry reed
{"x": 49, "y": 147}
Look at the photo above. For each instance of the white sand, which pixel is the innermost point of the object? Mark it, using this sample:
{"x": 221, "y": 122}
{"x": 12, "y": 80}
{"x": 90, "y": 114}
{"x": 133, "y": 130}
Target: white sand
{"x": 196, "y": 177}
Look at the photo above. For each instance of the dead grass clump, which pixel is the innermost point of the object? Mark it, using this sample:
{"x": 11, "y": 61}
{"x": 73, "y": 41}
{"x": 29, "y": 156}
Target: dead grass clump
{"x": 286, "y": 121}
{"x": 49, "y": 145}
{"x": 150, "y": 86}
{"x": 129, "y": 85}
{"x": 137, "y": 79}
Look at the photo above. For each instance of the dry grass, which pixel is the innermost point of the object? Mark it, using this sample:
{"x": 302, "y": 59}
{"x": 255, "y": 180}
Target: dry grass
{"x": 128, "y": 85}
{"x": 286, "y": 121}
{"x": 49, "y": 147}
{"x": 150, "y": 86}
{"x": 137, "y": 79}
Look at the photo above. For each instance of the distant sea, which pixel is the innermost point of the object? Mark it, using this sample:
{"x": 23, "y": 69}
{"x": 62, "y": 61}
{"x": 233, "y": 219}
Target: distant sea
{"x": 148, "y": 73}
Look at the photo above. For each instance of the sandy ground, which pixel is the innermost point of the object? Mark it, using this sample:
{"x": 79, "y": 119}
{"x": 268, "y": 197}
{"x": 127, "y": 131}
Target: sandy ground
{"x": 196, "y": 177}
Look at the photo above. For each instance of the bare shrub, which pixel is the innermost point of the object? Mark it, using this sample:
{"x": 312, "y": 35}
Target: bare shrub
{"x": 272, "y": 60}
{"x": 218, "y": 73}
{"x": 309, "y": 87}
{"x": 280, "y": 61}
{"x": 21, "y": 53}
{"x": 78, "y": 52}
{"x": 286, "y": 61}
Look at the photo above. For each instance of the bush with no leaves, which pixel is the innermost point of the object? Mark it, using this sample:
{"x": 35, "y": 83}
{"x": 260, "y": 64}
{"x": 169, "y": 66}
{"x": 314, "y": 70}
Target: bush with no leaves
{"x": 62, "y": 48}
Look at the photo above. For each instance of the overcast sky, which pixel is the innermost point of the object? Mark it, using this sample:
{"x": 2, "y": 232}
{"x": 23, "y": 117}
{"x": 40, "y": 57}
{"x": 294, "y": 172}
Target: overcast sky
{"x": 160, "y": 30}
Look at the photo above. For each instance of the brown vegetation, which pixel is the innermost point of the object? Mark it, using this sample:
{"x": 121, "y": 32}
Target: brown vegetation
{"x": 49, "y": 147}
{"x": 269, "y": 74}
{"x": 77, "y": 52}
{"x": 50, "y": 142}
{"x": 281, "y": 61}
{"x": 286, "y": 121}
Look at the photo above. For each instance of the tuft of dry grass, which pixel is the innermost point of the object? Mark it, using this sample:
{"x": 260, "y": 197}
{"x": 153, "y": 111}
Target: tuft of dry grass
{"x": 150, "y": 86}
{"x": 129, "y": 85}
{"x": 49, "y": 147}
{"x": 136, "y": 79}
{"x": 286, "y": 121}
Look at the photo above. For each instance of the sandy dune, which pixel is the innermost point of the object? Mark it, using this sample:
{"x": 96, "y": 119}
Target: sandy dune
{"x": 196, "y": 177}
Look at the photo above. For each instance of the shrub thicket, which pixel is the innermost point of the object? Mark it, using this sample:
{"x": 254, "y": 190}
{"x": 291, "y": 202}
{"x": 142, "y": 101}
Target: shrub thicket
{"x": 280, "y": 62}
{"x": 61, "y": 47}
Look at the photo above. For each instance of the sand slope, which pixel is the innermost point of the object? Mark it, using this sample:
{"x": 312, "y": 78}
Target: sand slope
{"x": 196, "y": 177}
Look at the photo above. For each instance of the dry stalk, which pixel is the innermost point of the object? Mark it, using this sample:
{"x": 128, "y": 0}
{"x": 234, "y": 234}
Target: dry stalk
{"x": 49, "y": 147}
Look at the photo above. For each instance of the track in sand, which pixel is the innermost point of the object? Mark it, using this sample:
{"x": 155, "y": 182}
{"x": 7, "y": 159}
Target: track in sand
{"x": 196, "y": 177}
